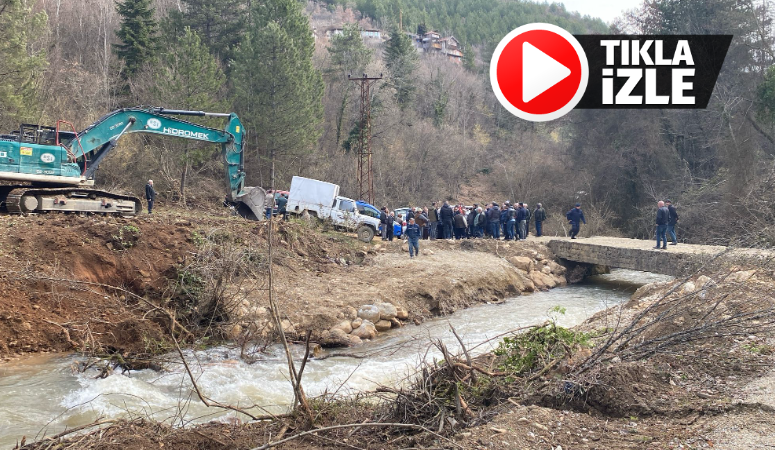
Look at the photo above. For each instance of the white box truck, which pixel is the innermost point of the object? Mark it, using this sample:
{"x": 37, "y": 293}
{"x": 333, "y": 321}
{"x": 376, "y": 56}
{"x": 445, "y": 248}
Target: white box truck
{"x": 320, "y": 199}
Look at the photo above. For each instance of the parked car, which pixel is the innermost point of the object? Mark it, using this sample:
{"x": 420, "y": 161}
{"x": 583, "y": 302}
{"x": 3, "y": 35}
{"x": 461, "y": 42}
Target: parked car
{"x": 322, "y": 200}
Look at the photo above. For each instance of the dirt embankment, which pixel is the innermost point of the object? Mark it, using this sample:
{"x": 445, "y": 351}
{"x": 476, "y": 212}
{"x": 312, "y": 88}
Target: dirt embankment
{"x": 84, "y": 283}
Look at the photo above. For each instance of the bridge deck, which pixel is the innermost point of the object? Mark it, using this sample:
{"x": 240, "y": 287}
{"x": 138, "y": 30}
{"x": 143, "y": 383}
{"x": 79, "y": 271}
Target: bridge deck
{"x": 638, "y": 254}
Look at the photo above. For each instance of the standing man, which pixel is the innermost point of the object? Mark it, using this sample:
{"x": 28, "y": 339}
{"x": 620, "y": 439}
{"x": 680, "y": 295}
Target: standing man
{"x": 479, "y": 222}
{"x": 522, "y": 221}
{"x": 389, "y": 223}
{"x": 672, "y": 220}
{"x": 575, "y": 216}
{"x": 663, "y": 214}
{"x": 494, "y": 219}
{"x": 471, "y": 219}
{"x": 527, "y": 220}
{"x": 281, "y": 203}
{"x": 413, "y": 238}
{"x": 269, "y": 205}
{"x": 433, "y": 221}
{"x": 422, "y": 221}
{"x": 540, "y": 215}
{"x": 446, "y": 216}
{"x": 383, "y": 220}
{"x": 150, "y": 195}
{"x": 460, "y": 224}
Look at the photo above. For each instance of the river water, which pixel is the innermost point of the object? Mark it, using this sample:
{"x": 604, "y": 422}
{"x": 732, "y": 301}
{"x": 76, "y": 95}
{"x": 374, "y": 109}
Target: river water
{"x": 43, "y": 395}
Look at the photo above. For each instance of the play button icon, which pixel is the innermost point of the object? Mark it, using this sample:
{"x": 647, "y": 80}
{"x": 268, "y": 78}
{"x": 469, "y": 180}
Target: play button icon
{"x": 539, "y": 72}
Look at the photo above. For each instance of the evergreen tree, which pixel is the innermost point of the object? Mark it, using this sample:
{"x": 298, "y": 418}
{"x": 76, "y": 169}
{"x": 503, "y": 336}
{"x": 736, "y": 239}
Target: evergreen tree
{"x": 469, "y": 58}
{"x": 21, "y": 65}
{"x": 349, "y": 55}
{"x": 277, "y": 89}
{"x": 401, "y": 59}
{"x": 138, "y": 35}
{"x": 190, "y": 78}
{"x": 219, "y": 24}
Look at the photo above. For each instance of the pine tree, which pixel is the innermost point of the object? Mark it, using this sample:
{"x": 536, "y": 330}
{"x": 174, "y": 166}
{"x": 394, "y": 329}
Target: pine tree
{"x": 469, "y": 58}
{"x": 401, "y": 59}
{"x": 138, "y": 35}
{"x": 219, "y": 24}
{"x": 21, "y": 65}
{"x": 278, "y": 91}
{"x": 190, "y": 78}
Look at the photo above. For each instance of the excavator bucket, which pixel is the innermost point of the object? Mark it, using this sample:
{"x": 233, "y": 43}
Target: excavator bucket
{"x": 251, "y": 204}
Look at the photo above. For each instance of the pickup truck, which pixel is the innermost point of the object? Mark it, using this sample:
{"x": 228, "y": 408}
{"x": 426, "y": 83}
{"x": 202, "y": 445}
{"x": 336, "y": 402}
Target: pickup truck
{"x": 322, "y": 200}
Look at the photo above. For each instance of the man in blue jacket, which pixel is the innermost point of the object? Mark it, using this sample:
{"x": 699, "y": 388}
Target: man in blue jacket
{"x": 575, "y": 216}
{"x": 522, "y": 221}
{"x": 663, "y": 214}
{"x": 413, "y": 237}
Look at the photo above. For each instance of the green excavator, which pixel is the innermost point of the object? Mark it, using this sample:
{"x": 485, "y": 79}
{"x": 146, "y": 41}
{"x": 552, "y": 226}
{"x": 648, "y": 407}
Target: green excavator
{"x": 57, "y": 164}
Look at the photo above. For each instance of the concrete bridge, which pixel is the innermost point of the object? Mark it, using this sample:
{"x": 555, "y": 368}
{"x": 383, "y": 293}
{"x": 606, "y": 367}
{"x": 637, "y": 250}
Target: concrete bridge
{"x": 677, "y": 260}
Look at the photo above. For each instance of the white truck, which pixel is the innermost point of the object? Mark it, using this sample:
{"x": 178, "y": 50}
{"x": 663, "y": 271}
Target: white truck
{"x": 320, "y": 199}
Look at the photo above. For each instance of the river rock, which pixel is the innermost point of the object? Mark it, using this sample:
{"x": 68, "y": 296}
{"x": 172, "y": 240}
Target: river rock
{"x": 386, "y": 311}
{"x": 383, "y": 325}
{"x": 537, "y": 279}
{"x": 365, "y": 331}
{"x": 559, "y": 280}
{"x": 546, "y": 270}
{"x": 338, "y": 338}
{"x": 740, "y": 276}
{"x": 402, "y": 313}
{"x": 355, "y": 340}
{"x": 344, "y": 326}
{"x": 548, "y": 280}
{"x": 522, "y": 263}
{"x": 288, "y": 327}
{"x": 350, "y": 312}
{"x": 356, "y": 323}
{"x": 557, "y": 269}
{"x": 395, "y": 323}
{"x": 369, "y": 312}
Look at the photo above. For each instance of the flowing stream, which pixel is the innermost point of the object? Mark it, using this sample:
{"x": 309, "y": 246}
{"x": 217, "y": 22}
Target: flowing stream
{"x": 44, "y": 395}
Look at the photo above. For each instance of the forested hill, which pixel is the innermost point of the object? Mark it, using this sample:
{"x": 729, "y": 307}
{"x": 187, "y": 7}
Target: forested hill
{"x": 477, "y": 22}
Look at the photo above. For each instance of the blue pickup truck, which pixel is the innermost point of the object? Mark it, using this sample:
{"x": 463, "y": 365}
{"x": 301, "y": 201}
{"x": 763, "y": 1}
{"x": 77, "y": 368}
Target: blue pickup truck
{"x": 371, "y": 210}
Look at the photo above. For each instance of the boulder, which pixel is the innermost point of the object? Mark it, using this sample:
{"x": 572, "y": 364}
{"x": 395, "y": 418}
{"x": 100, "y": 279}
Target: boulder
{"x": 402, "y": 313}
{"x": 365, "y": 331}
{"x": 355, "y": 323}
{"x": 559, "y": 280}
{"x": 350, "y": 312}
{"x": 383, "y": 325}
{"x": 522, "y": 263}
{"x": 395, "y": 323}
{"x": 537, "y": 278}
{"x": 548, "y": 280}
{"x": 355, "y": 340}
{"x": 386, "y": 311}
{"x": 740, "y": 276}
{"x": 337, "y": 338}
{"x": 234, "y": 332}
{"x": 546, "y": 270}
{"x": 288, "y": 327}
{"x": 688, "y": 288}
{"x": 369, "y": 312}
{"x": 557, "y": 269}
{"x": 344, "y": 326}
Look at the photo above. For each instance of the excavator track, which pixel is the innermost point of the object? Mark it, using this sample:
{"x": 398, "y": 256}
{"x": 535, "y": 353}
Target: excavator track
{"x": 32, "y": 199}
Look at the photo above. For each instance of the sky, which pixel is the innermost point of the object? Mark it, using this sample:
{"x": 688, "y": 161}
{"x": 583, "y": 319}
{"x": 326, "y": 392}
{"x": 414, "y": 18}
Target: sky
{"x": 607, "y": 10}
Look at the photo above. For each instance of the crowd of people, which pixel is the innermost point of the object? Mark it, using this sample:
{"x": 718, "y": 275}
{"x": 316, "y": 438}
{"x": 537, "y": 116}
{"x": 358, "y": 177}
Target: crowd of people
{"x": 507, "y": 221}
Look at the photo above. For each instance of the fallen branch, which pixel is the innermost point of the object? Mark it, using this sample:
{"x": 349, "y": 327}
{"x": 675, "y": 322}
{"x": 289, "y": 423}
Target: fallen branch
{"x": 355, "y": 425}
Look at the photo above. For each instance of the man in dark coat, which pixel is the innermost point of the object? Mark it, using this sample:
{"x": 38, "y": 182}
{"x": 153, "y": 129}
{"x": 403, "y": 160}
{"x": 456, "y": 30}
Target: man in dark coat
{"x": 383, "y": 220}
{"x": 521, "y": 222}
{"x": 150, "y": 195}
{"x": 281, "y": 203}
{"x": 447, "y": 215}
{"x": 494, "y": 219}
{"x": 471, "y": 219}
{"x": 460, "y": 225}
{"x": 433, "y": 221}
{"x": 539, "y": 215}
{"x": 575, "y": 216}
{"x": 663, "y": 214}
{"x": 672, "y": 220}
{"x": 527, "y": 219}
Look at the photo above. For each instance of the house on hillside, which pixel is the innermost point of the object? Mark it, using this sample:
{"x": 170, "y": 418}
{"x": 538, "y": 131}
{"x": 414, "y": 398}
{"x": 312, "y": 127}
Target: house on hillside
{"x": 432, "y": 43}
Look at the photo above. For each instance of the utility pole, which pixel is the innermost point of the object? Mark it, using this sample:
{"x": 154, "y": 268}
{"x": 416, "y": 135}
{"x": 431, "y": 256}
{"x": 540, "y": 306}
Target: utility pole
{"x": 365, "y": 180}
